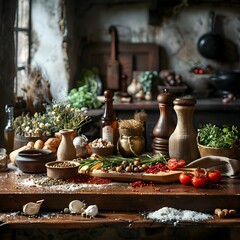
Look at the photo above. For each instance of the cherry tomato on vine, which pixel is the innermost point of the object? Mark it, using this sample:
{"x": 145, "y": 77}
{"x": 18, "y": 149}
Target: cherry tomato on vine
{"x": 199, "y": 180}
{"x": 185, "y": 178}
{"x": 214, "y": 176}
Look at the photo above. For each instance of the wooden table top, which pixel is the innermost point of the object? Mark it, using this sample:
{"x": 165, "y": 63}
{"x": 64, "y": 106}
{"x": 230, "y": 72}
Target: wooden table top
{"x": 119, "y": 203}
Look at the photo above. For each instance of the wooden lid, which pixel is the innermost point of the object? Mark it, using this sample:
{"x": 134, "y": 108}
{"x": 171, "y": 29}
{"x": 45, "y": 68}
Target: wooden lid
{"x": 165, "y": 97}
{"x": 108, "y": 94}
{"x": 185, "y": 101}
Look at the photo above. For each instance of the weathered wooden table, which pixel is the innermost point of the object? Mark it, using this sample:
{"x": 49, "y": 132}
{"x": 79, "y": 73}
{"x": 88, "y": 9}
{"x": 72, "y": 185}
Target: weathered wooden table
{"x": 120, "y": 205}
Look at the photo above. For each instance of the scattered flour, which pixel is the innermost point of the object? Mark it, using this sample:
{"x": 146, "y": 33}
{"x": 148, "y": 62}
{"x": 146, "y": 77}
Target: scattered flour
{"x": 167, "y": 214}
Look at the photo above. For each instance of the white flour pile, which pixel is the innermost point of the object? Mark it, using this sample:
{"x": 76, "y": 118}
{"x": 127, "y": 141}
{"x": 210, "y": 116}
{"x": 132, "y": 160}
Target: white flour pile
{"x": 167, "y": 214}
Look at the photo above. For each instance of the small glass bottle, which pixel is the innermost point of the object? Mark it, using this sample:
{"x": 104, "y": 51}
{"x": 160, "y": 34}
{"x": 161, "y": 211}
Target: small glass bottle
{"x": 9, "y": 130}
{"x": 109, "y": 128}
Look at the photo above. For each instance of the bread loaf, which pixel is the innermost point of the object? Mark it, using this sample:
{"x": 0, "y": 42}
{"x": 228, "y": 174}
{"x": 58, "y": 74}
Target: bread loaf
{"x": 38, "y": 144}
{"x": 30, "y": 144}
{"x": 50, "y": 147}
{"x": 53, "y": 142}
{"x": 14, "y": 154}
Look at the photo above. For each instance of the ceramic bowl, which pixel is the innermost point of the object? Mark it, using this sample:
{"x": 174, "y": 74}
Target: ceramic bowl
{"x": 103, "y": 151}
{"x": 62, "y": 169}
{"x": 34, "y": 160}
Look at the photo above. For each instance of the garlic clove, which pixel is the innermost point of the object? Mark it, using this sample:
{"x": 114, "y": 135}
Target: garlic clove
{"x": 32, "y": 208}
{"x": 91, "y": 211}
{"x": 77, "y": 206}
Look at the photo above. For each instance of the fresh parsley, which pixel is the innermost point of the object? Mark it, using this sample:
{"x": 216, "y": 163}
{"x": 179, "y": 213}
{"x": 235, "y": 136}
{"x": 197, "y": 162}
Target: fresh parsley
{"x": 214, "y": 136}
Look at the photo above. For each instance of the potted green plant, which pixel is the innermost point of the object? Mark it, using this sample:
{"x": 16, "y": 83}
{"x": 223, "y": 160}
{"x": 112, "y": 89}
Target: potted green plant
{"x": 216, "y": 140}
{"x": 56, "y": 116}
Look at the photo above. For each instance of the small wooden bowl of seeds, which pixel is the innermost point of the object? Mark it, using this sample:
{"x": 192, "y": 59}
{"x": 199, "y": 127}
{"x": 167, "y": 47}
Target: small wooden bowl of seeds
{"x": 102, "y": 147}
{"x": 62, "y": 169}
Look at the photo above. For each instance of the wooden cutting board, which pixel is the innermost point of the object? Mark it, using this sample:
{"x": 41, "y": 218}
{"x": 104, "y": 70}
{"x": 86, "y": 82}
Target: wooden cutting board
{"x": 160, "y": 177}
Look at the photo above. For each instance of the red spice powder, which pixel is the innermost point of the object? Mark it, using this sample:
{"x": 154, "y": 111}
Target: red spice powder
{"x": 140, "y": 184}
{"x": 82, "y": 178}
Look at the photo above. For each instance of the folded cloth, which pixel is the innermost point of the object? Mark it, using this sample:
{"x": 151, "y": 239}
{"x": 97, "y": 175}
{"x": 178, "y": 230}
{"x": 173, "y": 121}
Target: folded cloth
{"x": 228, "y": 167}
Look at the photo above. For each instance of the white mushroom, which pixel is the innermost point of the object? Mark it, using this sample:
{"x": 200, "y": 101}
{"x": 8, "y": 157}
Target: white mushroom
{"x": 76, "y": 206}
{"x": 32, "y": 208}
{"x": 91, "y": 211}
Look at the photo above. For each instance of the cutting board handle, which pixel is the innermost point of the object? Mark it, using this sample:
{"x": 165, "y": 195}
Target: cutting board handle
{"x": 113, "y": 32}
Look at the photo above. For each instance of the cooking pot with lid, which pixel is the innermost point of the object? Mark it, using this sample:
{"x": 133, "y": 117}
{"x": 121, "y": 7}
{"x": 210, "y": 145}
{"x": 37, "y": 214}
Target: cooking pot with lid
{"x": 228, "y": 81}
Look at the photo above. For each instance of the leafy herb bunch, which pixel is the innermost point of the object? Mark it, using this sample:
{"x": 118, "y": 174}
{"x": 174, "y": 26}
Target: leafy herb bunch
{"x": 85, "y": 96}
{"x": 214, "y": 136}
{"x": 56, "y": 116}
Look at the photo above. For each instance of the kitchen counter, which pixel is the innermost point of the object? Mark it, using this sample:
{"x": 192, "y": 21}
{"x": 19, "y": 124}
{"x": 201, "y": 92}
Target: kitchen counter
{"x": 17, "y": 189}
{"x": 120, "y": 205}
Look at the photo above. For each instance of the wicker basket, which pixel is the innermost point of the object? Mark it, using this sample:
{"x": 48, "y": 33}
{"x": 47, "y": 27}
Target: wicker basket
{"x": 233, "y": 152}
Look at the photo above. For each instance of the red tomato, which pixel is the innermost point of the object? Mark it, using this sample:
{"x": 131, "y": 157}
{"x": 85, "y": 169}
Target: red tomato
{"x": 172, "y": 164}
{"x": 185, "y": 178}
{"x": 199, "y": 181}
{"x": 181, "y": 163}
{"x": 214, "y": 176}
{"x": 200, "y": 171}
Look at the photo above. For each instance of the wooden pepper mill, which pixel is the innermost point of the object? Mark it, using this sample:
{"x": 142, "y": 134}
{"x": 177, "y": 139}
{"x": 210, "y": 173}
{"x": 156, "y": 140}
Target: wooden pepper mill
{"x": 183, "y": 141}
{"x": 165, "y": 125}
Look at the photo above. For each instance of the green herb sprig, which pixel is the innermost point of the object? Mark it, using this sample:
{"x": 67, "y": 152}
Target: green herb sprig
{"x": 214, "y": 136}
{"x": 113, "y": 161}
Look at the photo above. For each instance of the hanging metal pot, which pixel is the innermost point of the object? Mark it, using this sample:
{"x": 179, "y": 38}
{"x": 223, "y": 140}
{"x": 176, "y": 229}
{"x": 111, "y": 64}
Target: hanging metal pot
{"x": 210, "y": 45}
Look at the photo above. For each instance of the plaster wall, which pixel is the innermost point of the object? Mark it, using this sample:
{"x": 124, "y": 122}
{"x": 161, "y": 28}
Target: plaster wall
{"x": 47, "y": 45}
{"x": 176, "y": 35}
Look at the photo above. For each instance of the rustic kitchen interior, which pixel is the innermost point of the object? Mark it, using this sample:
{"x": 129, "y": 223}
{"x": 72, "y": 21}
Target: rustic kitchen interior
{"x": 142, "y": 51}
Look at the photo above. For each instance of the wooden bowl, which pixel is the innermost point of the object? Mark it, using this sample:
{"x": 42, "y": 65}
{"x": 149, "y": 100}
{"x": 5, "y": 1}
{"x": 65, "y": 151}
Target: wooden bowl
{"x": 232, "y": 153}
{"x": 34, "y": 160}
{"x": 62, "y": 169}
{"x": 103, "y": 151}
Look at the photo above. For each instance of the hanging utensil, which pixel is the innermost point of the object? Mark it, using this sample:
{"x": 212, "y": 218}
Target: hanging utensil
{"x": 210, "y": 45}
{"x": 113, "y": 68}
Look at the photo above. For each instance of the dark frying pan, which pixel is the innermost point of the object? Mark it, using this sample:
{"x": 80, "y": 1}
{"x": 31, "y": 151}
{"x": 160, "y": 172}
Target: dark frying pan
{"x": 210, "y": 44}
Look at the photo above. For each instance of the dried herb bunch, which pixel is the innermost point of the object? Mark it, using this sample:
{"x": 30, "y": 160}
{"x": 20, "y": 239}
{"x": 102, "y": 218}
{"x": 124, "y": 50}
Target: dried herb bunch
{"x": 130, "y": 127}
{"x": 57, "y": 116}
{"x": 37, "y": 89}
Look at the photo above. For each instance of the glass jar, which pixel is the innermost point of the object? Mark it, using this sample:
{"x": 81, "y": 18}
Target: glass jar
{"x": 130, "y": 145}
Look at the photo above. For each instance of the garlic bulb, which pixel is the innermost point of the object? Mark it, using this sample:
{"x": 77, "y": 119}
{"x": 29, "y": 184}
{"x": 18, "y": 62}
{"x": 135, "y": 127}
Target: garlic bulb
{"x": 32, "y": 208}
{"x": 77, "y": 206}
{"x": 80, "y": 141}
{"x": 134, "y": 87}
{"x": 91, "y": 211}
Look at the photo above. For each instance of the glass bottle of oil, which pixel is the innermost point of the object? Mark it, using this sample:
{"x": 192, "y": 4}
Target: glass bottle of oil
{"x": 109, "y": 128}
{"x": 9, "y": 130}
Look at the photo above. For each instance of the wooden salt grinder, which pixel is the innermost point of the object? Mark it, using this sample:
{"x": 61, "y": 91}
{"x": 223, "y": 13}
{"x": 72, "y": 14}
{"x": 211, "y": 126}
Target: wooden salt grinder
{"x": 183, "y": 141}
{"x": 165, "y": 125}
